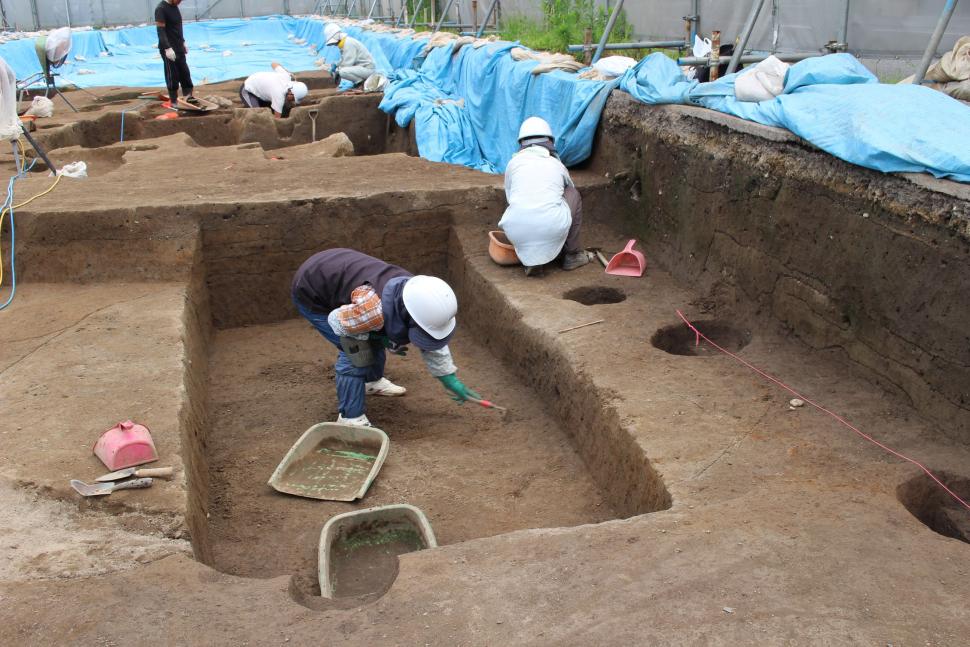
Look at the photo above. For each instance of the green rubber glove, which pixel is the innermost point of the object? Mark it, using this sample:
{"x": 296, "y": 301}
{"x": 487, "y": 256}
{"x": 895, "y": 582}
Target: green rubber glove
{"x": 461, "y": 392}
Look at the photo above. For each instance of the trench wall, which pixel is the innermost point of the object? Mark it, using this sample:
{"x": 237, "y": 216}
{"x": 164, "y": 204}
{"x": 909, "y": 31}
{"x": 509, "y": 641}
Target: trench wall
{"x": 370, "y": 130}
{"x": 853, "y": 261}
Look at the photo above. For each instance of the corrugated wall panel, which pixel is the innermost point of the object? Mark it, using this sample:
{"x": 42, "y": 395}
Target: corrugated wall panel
{"x": 877, "y": 28}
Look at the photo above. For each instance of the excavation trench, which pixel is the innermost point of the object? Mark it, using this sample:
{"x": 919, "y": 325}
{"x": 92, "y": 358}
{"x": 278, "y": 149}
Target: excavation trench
{"x": 370, "y": 130}
{"x": 558, "y": 458}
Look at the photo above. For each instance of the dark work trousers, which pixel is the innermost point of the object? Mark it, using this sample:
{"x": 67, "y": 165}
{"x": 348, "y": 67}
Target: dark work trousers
{"x": 177, "y": 74}
{"x": 575, "y": 202}
{"x": 250, "y": 100}
{"x": 350, "y": 380}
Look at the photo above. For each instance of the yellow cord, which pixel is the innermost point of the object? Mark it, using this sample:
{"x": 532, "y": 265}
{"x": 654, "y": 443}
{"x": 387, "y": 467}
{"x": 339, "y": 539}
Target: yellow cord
{"x": 23, "y": 155}
{"x": 18, "y": 206}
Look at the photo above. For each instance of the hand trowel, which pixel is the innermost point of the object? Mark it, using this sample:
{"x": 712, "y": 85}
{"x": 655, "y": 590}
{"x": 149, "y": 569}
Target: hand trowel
{"x": 102, "y": 489}
{"x": 157, "y": 472}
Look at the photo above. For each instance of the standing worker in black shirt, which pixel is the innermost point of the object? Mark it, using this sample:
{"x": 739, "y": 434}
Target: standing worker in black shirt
{"x": 171, "y": 43}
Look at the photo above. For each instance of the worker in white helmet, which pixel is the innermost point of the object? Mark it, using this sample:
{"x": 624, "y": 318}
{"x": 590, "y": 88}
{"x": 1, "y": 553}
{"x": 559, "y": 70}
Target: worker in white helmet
{"x": 276, "y": 90}
{"x": 545, "y": 212}
{"x": 356, "y": 63}
{"x": 365, "y": 306}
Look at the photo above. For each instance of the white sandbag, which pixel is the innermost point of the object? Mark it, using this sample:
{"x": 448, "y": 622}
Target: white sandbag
{"x": 41, "y": 107}
{"x": 9, "y": 122}
{"x": 612, "y": 66}
{"x": 76, "y": 170}
{"x": 954, "y": 65}
{"x": 763, "y": 82}
{"x": 702, "y": 47}
{"x": 375, "y": 83}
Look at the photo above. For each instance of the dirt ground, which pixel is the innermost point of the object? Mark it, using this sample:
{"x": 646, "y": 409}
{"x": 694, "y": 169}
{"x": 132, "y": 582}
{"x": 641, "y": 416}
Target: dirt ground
{"x": 475, "y": 473}
{"x": 631, "y": 496}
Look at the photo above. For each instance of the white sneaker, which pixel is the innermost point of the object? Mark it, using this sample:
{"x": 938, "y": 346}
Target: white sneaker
{"x": 359, "y": 421}
{"x": 384, "y": 386}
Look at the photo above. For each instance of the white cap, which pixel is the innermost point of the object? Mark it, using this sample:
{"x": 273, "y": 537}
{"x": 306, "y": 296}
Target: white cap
{"x": 332, "y": 34}
{"x": 535, "y": 127}
{"x": 432, "y": 304}
{"x": 299, "y": 91}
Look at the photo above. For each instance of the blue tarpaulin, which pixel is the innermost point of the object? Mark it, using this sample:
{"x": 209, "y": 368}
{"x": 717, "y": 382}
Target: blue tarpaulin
{"x": 838, "y": 105}
{"x": 466, "y": 105}
{"x": 133, "y": 59}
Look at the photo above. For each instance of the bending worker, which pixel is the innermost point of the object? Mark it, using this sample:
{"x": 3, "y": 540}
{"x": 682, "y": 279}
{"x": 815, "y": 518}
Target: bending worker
{"x": 356, "y": 63}
{"x": 545, "y": 211}
{"x": 276, "y": 90}
{"x": 363, "y": 306}
{"x": 171, "y": 43}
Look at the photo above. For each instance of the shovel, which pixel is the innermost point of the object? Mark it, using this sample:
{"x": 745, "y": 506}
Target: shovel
{"x": 102, "y": 489}
{"x": 158, "y": 472}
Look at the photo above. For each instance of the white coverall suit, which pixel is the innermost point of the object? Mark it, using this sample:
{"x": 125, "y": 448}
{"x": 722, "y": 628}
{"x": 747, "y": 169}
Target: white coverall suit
{"x": 356, "y": 63}
{"x": 544, "y": 212}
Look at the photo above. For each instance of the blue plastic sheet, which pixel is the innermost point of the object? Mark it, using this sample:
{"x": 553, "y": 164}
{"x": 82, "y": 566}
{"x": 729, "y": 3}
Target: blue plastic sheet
{"x": 836, "y": 104}
{"x": 467, "y": 106}
{"x": 133, "y": 59}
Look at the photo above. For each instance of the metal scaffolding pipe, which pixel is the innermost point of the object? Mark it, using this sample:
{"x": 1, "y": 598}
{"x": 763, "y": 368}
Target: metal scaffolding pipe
{"x": 417, "y": 10}
{"x": 935, "y": 39}
{"x": 648, "y": 44}
{"x": 749, "y": 58}
{"x": 753, "y": 13}
{"x": 444, "y": 15}
{"x": 608, "y": 30}
{"x": 844, "y": 28}
{"x": 695, "y": 24}
{"x": 488, "y": 14}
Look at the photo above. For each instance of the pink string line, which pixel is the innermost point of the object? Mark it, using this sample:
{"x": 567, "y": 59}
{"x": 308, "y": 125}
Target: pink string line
{"x": 698, "y": 335}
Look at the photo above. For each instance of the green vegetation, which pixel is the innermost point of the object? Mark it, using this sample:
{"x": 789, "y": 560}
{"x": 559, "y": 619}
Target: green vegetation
{"x": 564, "y": 23}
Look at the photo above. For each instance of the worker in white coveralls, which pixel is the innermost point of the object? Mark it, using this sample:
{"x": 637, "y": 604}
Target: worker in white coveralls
{"x": 276, "y": 90}
{"x": 356, "y": 63}
{"x": 365, "y": 306}
{"x": 545, "y": 212}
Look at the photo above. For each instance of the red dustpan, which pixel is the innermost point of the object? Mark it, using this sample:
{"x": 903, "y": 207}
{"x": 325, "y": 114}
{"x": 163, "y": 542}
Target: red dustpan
{"x": 629, "y": 262}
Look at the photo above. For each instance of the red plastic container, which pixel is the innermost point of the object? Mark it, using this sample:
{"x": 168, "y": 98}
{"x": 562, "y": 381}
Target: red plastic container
{"x": 125, "y": 445}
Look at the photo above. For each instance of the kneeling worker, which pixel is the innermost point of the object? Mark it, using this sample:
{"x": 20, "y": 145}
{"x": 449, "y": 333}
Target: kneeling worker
{"x": 356, "y": 63}
{"x": 363, "y": 306}
{"x": 545, "y": 210}
{"x": 276, "y": 90}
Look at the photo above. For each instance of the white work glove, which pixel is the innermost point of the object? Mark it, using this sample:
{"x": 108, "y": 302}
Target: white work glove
{"x": 170, "y": 54}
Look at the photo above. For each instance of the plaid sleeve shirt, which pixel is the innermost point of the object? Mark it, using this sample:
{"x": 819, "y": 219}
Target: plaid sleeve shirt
{"x": 364, "y": 313}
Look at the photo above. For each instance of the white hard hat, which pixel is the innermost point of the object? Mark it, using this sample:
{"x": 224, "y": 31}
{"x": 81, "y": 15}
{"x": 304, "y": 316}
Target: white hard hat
{"x": 535, "y": 127}
{"x": 299, "y": 91}
{"x": 332, "y": 34}
{"x": 432, "y": 304}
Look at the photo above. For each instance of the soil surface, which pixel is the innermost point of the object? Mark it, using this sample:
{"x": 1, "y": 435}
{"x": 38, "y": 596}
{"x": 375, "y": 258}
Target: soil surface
{"x": 473, "y": 472}
{"x": 760, "y": 524}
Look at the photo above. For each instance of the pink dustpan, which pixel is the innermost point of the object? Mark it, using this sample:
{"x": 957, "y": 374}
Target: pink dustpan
{"x": 629, "y": 262}
{"x": 125, "y": 445}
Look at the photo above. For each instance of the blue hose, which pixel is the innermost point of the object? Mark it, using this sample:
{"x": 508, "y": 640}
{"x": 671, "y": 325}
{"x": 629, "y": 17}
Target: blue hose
{"x": 13, "y": 234}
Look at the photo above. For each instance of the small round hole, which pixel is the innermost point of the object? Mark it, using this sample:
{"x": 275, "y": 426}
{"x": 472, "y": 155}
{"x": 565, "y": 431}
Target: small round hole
{"x": 937, "y": 510}
{"x": 678, "y": 339}
{"x": 594, "y": 295}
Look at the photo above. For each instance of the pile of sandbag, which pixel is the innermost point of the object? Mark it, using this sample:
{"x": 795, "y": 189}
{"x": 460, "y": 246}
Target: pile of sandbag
{"x": 547, "y": 61}
{"x": 951, "y": 74}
